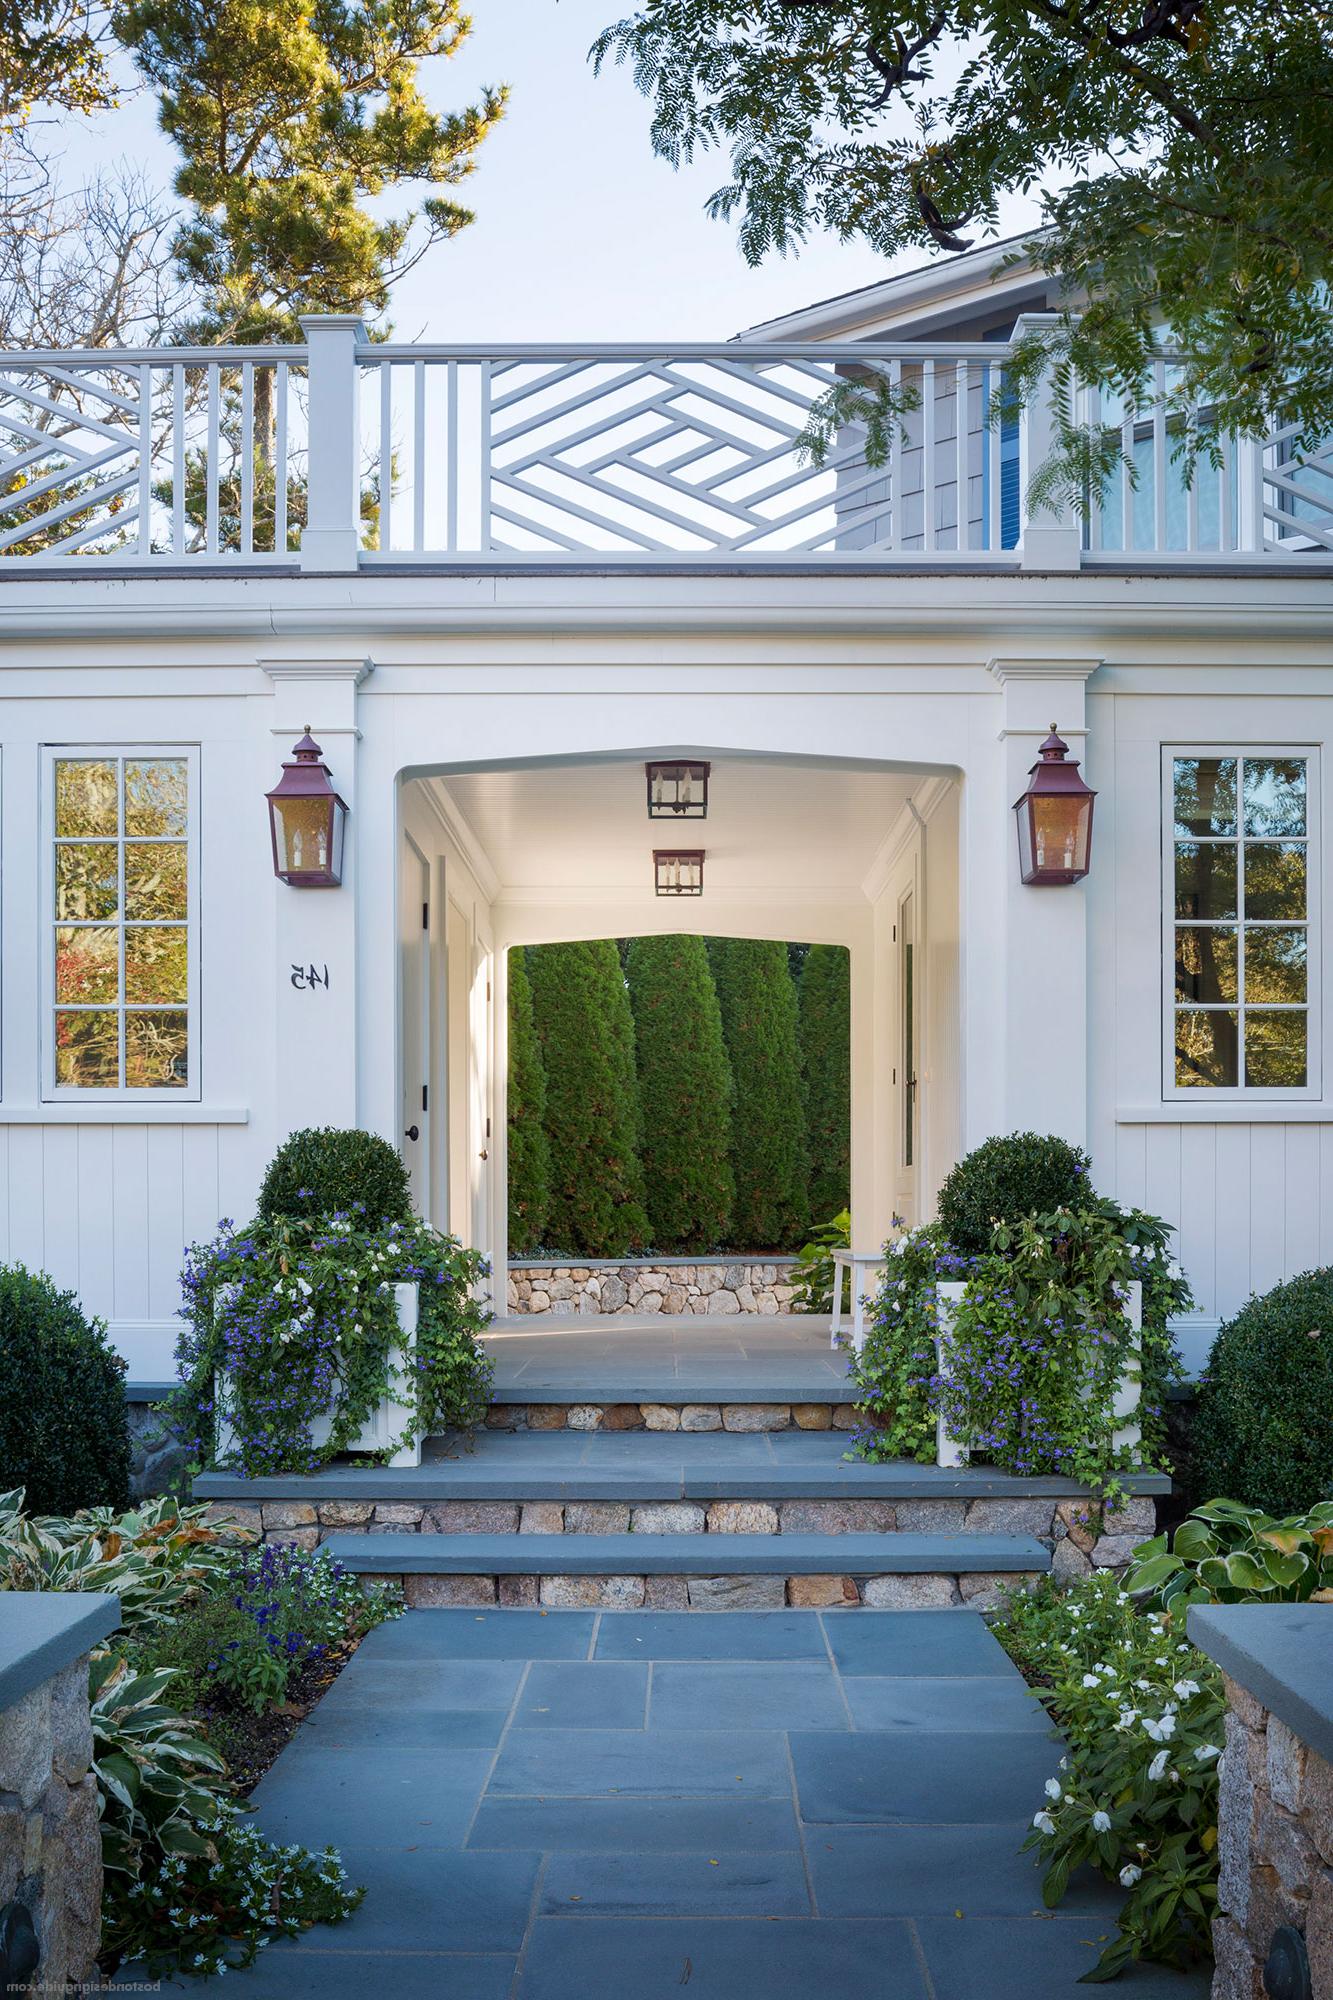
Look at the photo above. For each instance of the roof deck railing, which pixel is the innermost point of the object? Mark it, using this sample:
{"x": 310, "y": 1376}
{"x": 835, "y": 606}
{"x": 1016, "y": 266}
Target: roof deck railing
{"x": 345, "y": 454}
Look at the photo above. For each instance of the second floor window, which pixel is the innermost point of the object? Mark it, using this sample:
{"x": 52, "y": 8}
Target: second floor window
{"x": 120, "y": 949}
{"x": 1241, "y": 956}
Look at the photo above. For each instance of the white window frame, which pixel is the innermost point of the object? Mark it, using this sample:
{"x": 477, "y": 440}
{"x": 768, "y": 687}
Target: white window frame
{"x": 1204, "y": 1094}
{"x": 52, "y": 1092}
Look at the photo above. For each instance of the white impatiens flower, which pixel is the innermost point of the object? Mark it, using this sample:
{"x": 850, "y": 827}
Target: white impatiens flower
{"x": 1053, "y": 1790}
{"x": 1207, "y": 1751}
{"x": 1101, "y": 1822}
{"x": 1185, "y": 1689}
{"x": 1129, "y": 1876}
{"x": 1091, "y": 1681}
{"x": 1163, "y": 1729}
{"x": 1158, "y": 1766}
{"x": 1043, "y": 1822}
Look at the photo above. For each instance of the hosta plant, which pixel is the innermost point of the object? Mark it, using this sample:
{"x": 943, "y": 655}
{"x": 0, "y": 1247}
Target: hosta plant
{"x": 158, "y": 1558}
{"x": 1226, "y": 1553}
{"x": 1135, "y": 1797}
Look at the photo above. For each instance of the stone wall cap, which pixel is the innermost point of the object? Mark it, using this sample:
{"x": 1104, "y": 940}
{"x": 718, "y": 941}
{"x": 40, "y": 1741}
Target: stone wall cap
{"x": 43, "y": 1631}
{"x": 1282, "y": 1654}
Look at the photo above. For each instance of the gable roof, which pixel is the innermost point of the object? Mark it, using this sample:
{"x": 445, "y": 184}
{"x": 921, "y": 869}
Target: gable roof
{"x": 920, "y": 300}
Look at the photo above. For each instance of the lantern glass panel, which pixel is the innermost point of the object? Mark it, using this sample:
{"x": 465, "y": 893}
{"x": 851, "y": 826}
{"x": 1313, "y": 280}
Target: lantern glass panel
{"x": 1060, "y": 833}
{"x": 305, "y": 831}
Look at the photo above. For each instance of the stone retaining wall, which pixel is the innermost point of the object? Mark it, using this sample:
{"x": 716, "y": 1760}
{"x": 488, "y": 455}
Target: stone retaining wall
{"x": 673, "y": 1417}
{"x": 645, "y": 1287}
{"x": 50, "y": 1845}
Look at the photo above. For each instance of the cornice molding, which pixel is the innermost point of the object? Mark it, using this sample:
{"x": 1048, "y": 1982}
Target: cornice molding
{"x": 353, "y": 670}
{"x": 1006, "y": 669}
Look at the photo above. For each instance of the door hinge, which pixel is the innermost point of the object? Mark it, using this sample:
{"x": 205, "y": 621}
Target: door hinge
{"x": 425, "y": 916}
{"x": 488, "y": 1128}
{"x": 425, "y": 1097}
{"x": 895, "y": 934}
{"x": 488, "y": 989}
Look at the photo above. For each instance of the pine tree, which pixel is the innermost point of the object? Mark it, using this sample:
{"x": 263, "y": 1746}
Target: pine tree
{"x": 586, "y": 1034}
{"x": 826, "y": 1054}
{"x": 529, "y": 1147}
{"x": 685, "y": 1093}
{"x": 769, "y": 1155}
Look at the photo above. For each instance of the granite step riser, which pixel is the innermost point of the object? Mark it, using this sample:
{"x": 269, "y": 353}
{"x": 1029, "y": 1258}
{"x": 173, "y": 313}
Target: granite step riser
{"x": 693, "y": 1417}
{"x": 1067, "y": 1529}
{"x": 925, "y": 1591}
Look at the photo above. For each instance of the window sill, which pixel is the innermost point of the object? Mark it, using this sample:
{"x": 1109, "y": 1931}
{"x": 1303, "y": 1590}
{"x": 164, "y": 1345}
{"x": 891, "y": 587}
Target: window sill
{"x": 86, "y": 1111}
{"x": 1231, "y": 1111}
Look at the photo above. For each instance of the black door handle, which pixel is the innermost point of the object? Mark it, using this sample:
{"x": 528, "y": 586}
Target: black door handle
{"x": 412, "y": 1132}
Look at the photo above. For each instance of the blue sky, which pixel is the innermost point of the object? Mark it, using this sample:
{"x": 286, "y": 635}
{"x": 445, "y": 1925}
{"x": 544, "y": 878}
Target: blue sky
{"x": 581, "y": 233}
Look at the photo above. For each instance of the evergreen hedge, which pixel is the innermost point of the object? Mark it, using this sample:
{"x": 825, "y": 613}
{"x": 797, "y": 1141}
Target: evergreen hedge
{"x": 325, "y": 1170}
{"x": 826, "y": 1054}
{"x": 586, "y": 1035}
{"x": 1263, "y": 1426}
{"x": 684, "y": 1093}
{"x": 64, "y": 1427}
{"x": 769, "y": 1154}
{"x": 529, "y": 1148}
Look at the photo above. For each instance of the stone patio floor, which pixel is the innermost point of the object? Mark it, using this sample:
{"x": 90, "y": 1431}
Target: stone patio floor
{"x": 775, "y": 1805}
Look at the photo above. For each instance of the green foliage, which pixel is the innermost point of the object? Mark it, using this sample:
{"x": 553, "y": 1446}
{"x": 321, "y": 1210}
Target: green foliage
{"x": 1004, "y": 1179}
{"x": 1226, "y": 1553}
{"x": 813, "y": 1274}
{"x": 1263, "y": 1428}
{"x": 288, "y": 120}
{"x": 593, "y": 1122}
{"x": 291, "y": 1321}
{"x": 1142, "y": 1716}
{"x": 769, "y": 1154}
{"x": 826, "y": 1058}
{"x": 1035, "y": 1348}
{"x": 52, "y": 54}
{"x": 325, "y": 1171}
{"x": 158, "y": 1560}
{"x": 529, "y": 1147}
{"x": 64, "y": 1429}
{"x": 684, "y": 1092}
{"x": 1179, "y": 153}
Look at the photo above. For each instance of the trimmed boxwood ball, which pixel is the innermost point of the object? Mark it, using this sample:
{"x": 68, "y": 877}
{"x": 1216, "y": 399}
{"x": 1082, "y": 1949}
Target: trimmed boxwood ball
{"x": 323, "y": 1170}
{"x": 1263, "y": 1426}
{"x": 1005, "y": 1179}
{"x": 64, "y": 1426}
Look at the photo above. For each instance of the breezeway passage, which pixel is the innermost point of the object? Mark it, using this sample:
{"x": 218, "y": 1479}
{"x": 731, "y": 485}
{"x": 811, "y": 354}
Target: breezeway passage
{"x": 752, "y": 1805}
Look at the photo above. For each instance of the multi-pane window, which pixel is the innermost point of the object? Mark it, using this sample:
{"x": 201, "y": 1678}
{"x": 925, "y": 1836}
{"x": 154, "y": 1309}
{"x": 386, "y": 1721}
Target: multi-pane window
{"x": 119, "y": 949}
{"x": 1240, "y": 862}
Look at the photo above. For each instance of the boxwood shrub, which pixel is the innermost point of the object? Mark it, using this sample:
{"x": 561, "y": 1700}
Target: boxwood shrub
{"x": 64, "y": 1427}
{"x": 324, "y": 1171}
{"x": 1005, "y": 1179}
{"x": 1263, "y": 1427}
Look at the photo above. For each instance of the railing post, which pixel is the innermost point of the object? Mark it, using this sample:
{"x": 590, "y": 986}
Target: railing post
{"x": 1248, "y": 458}
{"x": 331, "y": 538}
{"x": 1052, "y": 539}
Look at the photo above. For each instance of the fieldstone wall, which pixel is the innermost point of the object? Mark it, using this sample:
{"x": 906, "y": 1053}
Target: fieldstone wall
{"x": 673, "y": 1417}
{"x": 50, "y": 1846}
{"x": 1275, "y": 1845}
{"x": 645, "y": 1287}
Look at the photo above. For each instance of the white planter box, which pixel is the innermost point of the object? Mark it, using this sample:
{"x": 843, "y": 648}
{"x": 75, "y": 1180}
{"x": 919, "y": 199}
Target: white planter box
{"x": 386, "y": 1423}
{"x": 948, "y": 1450}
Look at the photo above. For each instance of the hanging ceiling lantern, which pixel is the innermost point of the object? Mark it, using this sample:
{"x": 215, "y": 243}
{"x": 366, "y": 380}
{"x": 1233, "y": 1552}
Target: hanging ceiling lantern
{"x": 307, "y": 820}
{"x": 1054, "y": 819}
{"x": 678, "y": 790}
{"x": 679, "y": 873}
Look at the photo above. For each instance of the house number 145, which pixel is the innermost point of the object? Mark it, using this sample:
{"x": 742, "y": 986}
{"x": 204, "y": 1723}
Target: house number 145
{"x": 306, "y": 978}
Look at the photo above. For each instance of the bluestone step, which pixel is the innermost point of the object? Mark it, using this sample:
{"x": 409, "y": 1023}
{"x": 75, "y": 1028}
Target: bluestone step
{"x": 688, "y": 1555}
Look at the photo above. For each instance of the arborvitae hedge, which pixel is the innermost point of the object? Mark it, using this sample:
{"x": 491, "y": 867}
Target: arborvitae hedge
{"x": 769, "y": 1155}
{"x": 826, "y": 1051}
{"x": 684, "y": 1091}
{"x": 529, "y": 1148}
{"x": 592, "y": 1099}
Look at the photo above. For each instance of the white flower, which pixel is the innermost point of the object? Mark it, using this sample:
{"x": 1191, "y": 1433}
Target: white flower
{"x": 1207, "y": 1751}
{"x": 305, "y": 1286}
{"x": 1053, "y": 1790}
{"x": 1091, "y": 1681}
{"x": 1101, "y": 1822}
{"x": 1129, "y": 1876}
{"x": 1163, "y": 1729}
{"x": 1043, "y": 1822}
{"x": 1158, "y": 1766}
{"x": 1186, "y": 1688}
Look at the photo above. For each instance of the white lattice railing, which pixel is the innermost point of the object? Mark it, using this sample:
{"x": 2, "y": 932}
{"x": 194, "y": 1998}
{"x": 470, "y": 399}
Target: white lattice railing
{"x": 345, "y": 453}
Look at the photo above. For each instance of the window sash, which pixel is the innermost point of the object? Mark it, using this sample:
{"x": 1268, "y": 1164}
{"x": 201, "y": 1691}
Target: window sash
{"x": 120, "y": 754}
{"x": 1240, "y": 926}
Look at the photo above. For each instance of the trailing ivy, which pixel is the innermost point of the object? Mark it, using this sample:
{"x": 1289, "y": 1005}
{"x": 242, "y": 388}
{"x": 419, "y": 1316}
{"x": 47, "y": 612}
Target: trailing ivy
{"x": 1033, "y": 1351}
{"x": 300, "y": 1316}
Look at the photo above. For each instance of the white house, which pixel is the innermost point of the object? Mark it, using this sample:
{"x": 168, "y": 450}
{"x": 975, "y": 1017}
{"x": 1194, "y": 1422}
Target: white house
{"x": 494, "y": 584}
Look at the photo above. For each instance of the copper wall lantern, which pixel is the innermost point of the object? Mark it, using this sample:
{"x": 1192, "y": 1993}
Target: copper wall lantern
{"x": 679, "y": 873}
{"x": 1054, "y": 819}
{"x": 307, "y": 820}
{"x": 678, "y": 790}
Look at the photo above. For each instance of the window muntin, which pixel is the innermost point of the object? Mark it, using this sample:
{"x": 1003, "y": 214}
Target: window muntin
{"x": 120, "y": 974}
{"x": 1240, "y": 909}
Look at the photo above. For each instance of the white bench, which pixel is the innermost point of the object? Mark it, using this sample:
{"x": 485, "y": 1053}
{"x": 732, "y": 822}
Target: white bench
{"x": 855, "y": 1262}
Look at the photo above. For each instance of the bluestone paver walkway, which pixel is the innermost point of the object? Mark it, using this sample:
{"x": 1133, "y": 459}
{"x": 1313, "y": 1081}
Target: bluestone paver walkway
{"x": 780, "y": 1805}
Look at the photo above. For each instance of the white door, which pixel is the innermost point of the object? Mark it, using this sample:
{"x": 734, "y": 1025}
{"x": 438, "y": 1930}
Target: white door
{"x": 414, "y": 975}
{"x": 479, "y": 1081}
{"x": 908, "y": 1057}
